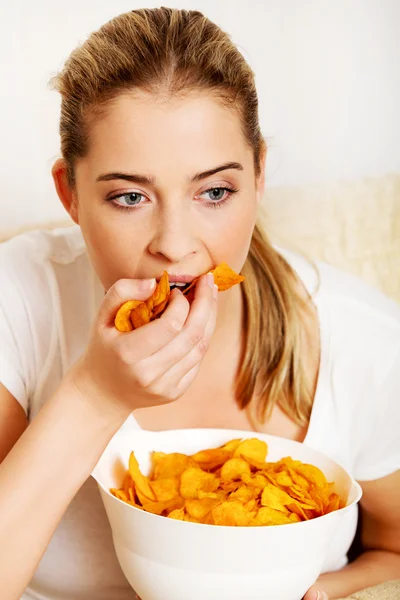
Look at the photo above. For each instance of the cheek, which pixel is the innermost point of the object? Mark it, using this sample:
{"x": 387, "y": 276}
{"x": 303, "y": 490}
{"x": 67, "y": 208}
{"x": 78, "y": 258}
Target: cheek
{"x": 113, "y": 246}
{"x": 232, "y": 237}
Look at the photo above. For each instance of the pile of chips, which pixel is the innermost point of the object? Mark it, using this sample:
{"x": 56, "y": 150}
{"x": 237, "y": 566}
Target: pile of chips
{"x": 230, "y": 485}
{"x": 135, "y": 313}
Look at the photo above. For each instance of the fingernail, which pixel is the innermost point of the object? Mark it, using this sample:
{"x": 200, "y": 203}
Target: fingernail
{"x": 215, "y": 291}
{"x": 146, "y": 284}
{"x": 210, "y": 280}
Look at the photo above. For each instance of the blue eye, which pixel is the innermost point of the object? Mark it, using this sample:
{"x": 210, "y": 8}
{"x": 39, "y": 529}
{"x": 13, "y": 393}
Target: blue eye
{"x": 217, "y": 196}
{"x": 131, "y": 199}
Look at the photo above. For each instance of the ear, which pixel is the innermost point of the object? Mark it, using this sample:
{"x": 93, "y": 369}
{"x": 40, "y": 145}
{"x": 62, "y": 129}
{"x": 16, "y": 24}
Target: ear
{"x": 64, "y": 191}
{"x": 261, "y": 177}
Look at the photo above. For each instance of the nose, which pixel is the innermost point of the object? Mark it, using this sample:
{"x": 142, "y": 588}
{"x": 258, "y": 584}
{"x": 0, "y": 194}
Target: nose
{"x": 173, "y": 237}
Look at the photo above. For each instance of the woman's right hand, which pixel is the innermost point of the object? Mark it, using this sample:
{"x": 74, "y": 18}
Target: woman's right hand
{"x": 154, "y": 364}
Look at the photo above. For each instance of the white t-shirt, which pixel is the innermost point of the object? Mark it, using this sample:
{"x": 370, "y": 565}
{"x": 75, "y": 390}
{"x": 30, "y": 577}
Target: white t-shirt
{"x": 49, "y": 295}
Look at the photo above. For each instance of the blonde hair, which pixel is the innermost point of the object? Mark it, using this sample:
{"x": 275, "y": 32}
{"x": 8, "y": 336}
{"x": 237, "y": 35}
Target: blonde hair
{"x": 173, "y": 52}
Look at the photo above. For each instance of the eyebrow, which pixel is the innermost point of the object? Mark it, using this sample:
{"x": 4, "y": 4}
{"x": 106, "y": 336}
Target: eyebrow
{"x": 144, "y": 179}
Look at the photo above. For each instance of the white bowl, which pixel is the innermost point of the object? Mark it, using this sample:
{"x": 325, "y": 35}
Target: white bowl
{"x": 166, "y": 559}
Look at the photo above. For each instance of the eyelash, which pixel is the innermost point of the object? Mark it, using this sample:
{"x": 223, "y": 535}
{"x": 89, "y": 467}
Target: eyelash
{"x": 215, "y": 205}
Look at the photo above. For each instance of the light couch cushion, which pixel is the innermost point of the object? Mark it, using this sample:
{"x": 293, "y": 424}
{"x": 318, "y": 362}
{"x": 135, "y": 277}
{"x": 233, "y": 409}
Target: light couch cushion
{"x": 353, "y": 225}
{"x": 390, "y": 590}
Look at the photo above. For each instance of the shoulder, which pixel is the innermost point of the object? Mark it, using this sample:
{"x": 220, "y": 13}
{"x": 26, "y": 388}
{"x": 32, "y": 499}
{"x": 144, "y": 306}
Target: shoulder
{"x": 39, "y": 245}
{"x": 30, "y": 282}
{"x": 363, "y": 323}
{"x": 25, "y": 260}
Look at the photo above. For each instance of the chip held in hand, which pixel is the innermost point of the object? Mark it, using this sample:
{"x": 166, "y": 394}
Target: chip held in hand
{"x": 135, "y": 313}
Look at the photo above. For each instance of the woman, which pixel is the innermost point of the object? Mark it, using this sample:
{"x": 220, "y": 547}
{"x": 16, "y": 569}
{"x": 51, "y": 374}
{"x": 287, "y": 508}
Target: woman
{"x": 159, "y": 128}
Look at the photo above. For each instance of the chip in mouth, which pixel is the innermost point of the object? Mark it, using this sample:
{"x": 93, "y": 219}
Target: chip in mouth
{"x": 135, "y": 313}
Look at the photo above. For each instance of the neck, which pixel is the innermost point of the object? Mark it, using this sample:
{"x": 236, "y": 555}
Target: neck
{"x": 229, "y": 329}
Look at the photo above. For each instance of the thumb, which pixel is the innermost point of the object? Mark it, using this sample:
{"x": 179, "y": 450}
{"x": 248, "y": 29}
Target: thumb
{"x": 119, "y": 293}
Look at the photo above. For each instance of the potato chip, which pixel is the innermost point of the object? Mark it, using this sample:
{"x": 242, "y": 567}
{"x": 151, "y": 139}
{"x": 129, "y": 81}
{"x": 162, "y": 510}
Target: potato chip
{"x": 230, "y": 485}
{"x": 295, "y": 508}
{"x": 221, "y": 495}
{"x": 142, "y": 498}
{"x": 234, "y": 468}
{"x": 231, "y": 446}
{"x": 178, "y": 514}
{"x": 200, "y": 508}
{"x": 141, "y": 315}
{"x": 270, "y": 516}
{"x": 224, "y": 278}
{"x": 334, "y": 503}
{"x": 157, "y": 508}
{"x": 243, "y": 494}
{"x": 170, "y": 465}
{"x": 123, "y": 316}
{"x": 273, "y": 497}
{"x": 258, "y": 480}
{"x": 252, "y": 449}
{"x": 211, "y": 459}
{"x": 251, "y": 505}
{"x": 298, "y": 479}
{"x": 127, "y": 484}
{"x": 120, "y": 494}
{"x": 165, "y": 489}
{"x": 312, "y": 474}
{"x": 160, "y": 295}
{"x": 232, "y": 513}
{"x": 195, "y": 479}
{"x": 283, "y": 479}
{"x": 141, "y": 482}
{"x": 136, "y": 313}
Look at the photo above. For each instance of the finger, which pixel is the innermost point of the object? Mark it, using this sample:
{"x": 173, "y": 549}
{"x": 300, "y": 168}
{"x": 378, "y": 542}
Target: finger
{"x": 119, "y": 293}
{"x": 193, "y": 358}
{"x": 148, "y": 339}
{"x": 315, "y": 594}
{"x": 192, "y": 335}
{"x": 187, "y": 380}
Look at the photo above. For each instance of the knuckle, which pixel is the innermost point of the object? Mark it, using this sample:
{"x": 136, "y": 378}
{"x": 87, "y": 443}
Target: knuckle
{"x": 171, "y": 326}
{"x": 164, "y": 392}
{"x": 203, "y": 345}
{"x": 171, "y": 395}
{"x": 195, "y": 335}
{"x": 143, "y": 377}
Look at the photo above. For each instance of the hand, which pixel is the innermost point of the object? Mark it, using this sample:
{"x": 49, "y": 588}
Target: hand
{"x": 152, "y": 365}
{"x": 316, "y": 593}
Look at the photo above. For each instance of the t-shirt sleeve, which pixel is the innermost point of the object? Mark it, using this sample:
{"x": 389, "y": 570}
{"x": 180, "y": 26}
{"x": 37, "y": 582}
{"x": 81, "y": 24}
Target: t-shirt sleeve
{"x": 17, "y": 356}
{"x": 12, "y": 374}
{"x": 380, "y": 455}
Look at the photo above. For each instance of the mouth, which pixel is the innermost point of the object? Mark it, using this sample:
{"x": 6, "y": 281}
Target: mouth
{"x": 179, "y": 285}
{"x": 180, "y": 282}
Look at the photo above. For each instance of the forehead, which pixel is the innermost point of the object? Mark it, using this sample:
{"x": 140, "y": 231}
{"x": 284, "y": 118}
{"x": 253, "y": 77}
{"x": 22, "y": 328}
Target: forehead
{"x": 145, "y": 131}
